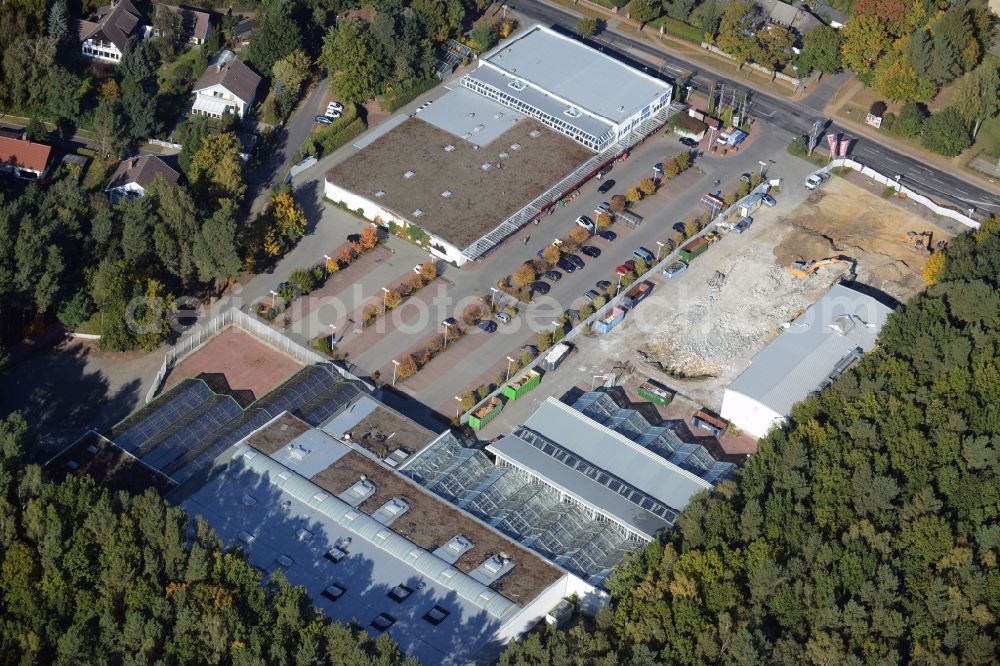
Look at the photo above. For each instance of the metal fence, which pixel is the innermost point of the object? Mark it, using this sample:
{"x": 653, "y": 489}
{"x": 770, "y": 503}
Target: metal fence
{"x": 245, "y": 322}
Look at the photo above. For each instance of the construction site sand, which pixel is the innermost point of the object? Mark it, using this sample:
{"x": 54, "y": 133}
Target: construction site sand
{"x": 697, "y": 337}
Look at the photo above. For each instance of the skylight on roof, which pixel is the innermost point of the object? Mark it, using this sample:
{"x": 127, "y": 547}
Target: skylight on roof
{"x": 400, "y": 593}
{"x": 572, "y": 112}
{"x": 517, "y": 84}
{"x": 437, "y": 615}
{"x": 383, "y": 621}
{"x": 334, "y": 591}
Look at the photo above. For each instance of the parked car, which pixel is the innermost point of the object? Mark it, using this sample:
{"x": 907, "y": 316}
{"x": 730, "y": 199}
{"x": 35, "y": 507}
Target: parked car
{"x": 609, "y": 236}
{"x": 658, "y": 168}
{"x": 555, "y": 276}
{"x": 323, "y": 120}
{"x": 502, "y": 317}
{"x": 769, "y": 201}
{"x": 678, "y": 227}
{"x": 450, "y": 321}
{"x": 565, "y": 264}
{"x": 590, "y": 251}
{"x": 675, "y": 268}
{"x": 606, "y": 186}
{"x": 591, "y": 295}
{"x": 531, "y": 349}
{"x": 644, "y": 254}
{"x": 575, "y": 260}
{"x": 572, "y": 314}
{"x": 603, "y": 208}
{"x": 487, "y": 325}
{"x": 586, "y": 223}
{"x": 603, "y": 285}
{"x": 540, "y": 287}
{"x": 688, "y": 141}
{"x": 334, "y": 106}
{"x": 815, "y": 180}
{"x": 626, "y": 267}
{"x": 745, "y": 177}
{"x": 743, "y": 225}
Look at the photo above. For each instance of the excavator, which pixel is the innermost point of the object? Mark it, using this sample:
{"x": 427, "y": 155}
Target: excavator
{"x": 923, "y": 241}
{"x": 806, "y": 268}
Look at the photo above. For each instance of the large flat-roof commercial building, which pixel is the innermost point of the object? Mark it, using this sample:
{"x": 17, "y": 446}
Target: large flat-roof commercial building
{"x": 568, "y": 86}
{"x": 304, "y": 480}
{"x": 538, "y": 116}
{"x": 815, "y": 349}
{"x": 581, "y": 484}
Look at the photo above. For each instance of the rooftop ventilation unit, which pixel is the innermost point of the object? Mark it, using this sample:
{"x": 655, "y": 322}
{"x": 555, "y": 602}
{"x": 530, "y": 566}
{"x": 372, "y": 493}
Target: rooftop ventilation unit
{"x": 409, "y": 174}
{"x": 479, "y": 128}
{"x": 72, "y": 464}
{"x": 390, "y": 511}
{"x": 298, "y": 453}
{"x": 486, "y": 166}
{"x": 471, "y": 114}
{"x": 91, "y": 449}
{"x": 358, "y": 493}
{"x": 498, "y": 115}
{"x": 449, "y": 148}
{"x": 380, "y": 193}
{"x": 400, "y": 593}
{"x": 534, "y": 134}
{"x": 457, "y": 546}
{"x": 504, "y": 155}
{"x": 842, "y": 324}
{"x": 446, "y": 194}
{"x": 418, "y": 213}
{"x": 302, "y": 534}
{"x": 515, "y": 146}
{"x": 493, "y": 569}
{"x": 248, "y": 500}
{"x": 334, "y": 592}
{"x": 467, "y": 136}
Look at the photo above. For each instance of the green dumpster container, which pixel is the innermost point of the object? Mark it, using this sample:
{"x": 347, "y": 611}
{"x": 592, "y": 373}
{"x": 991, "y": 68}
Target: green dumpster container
{"x": 485, "y": 414}
{"x": 522, "y": 384}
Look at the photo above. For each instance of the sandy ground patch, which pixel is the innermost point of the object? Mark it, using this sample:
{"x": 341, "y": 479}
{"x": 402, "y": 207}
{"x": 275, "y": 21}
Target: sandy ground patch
{"x": 698, "y": 331}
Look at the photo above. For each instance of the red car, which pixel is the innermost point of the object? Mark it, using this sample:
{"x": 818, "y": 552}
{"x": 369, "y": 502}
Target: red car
{"x": 627, "y": 267}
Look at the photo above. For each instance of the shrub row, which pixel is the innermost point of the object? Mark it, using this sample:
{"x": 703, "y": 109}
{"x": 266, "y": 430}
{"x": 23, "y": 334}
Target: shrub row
{"x": 397, "y": 296}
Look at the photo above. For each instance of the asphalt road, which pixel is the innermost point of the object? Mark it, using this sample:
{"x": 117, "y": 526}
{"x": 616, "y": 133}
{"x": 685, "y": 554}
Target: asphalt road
{"x": 795, "y": 117}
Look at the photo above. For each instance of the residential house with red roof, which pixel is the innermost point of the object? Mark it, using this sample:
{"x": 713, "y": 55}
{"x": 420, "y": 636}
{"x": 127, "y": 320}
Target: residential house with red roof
{"x": 24, "y": 159}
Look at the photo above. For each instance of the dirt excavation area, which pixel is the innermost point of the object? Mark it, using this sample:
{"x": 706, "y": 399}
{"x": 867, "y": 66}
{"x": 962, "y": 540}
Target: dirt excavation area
{"x": 699, "y": 330}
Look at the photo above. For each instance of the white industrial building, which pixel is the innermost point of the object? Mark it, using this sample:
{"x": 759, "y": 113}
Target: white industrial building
{"x": 578, "y": 91}
{"x": 485, "y": 159}
{"x": 811, "y": 352}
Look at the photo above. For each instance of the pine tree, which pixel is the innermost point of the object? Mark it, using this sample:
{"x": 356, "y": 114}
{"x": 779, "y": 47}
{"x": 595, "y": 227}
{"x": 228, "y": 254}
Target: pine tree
{"x": 58, "y": 23}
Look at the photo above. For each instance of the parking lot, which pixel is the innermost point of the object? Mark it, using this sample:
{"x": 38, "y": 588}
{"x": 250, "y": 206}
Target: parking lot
{"x": 482, "y": 356}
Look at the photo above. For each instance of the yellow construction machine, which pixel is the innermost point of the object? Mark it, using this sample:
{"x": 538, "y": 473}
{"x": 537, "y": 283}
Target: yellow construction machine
{"x": 806, "y": 268}
{"x": 919, "y": 241}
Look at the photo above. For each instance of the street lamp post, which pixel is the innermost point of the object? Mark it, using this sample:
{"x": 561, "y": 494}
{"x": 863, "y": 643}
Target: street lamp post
{"x": 659, "y": 249}
{"x": 510, "y": 364}
{"x": 333, "y": 336}
{"x": 446, "y": 327}
{"x": 493, "y": 296}
{"x": 619, "y": 287}
{"x": 326, "y": 265}
{"x": 762, "y": 164}
{"x": 395, "y": 364}
{"x": 274, "y": 295}
{"x": 458, "y": 410}
{"x": 385, "y": 295}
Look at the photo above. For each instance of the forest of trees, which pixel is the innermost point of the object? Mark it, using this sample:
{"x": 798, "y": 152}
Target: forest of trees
{"x": 867, "y": 530}
{"x": 87, "y": 577}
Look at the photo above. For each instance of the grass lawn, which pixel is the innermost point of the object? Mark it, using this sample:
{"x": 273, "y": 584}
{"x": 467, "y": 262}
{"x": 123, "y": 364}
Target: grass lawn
{"x": 989, "y": 137}
{"x": 167, "y": 75}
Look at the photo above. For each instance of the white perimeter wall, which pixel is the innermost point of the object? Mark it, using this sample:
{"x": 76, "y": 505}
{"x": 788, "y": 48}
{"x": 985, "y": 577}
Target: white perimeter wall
{"x": 751, "y": 416}
{"x": 372, "y": 211}
{"x": 590, "y": 600}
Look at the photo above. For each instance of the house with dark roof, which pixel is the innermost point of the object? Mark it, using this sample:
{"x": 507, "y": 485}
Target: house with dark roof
{"x": 135, "y": 174}
{"x": 24, "y": 159}
{"x": 195, "y": 25}
{"x": 226, "y": 87}
{"x": 118, "y": 27}
{"x": 243, "y": 32}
